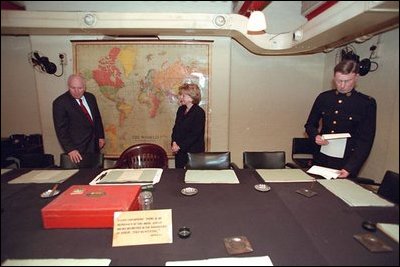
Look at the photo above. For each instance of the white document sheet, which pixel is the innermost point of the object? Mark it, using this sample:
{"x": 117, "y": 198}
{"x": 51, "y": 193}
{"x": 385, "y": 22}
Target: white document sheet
{"x": 3, "y": 171}
{"x": 390, "y": 229}
{"x": 284, "y": 175}
{"x": 353, "y": 194}
{"x": 44, "y": 176}
{"x": 211, "y": 177}
{"x": 56, "y": 262}
{"x": 232, "y": 261}
{"x": 336, "y": 146}
{"x": 128, "y": 176}
{"x": 327, "y": 173}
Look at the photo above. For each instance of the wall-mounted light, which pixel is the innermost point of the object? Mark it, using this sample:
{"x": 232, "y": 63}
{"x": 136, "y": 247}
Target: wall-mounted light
{"x": 256, "y": 23}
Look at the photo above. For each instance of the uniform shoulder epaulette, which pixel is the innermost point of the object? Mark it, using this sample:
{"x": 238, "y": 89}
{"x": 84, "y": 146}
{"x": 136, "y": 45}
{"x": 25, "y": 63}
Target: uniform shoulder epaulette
{"x": 367, "y": 97}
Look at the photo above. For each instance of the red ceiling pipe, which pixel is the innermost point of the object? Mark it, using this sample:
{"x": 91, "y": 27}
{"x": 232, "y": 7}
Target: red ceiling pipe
{"x": 7, "y": 5}
{"x": 251, "y": 6}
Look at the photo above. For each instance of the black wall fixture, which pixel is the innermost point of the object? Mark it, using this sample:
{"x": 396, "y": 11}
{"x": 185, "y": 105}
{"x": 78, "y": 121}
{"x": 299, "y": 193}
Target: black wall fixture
{"x": 366, "y": 65}
{"x": 43, "y": 64}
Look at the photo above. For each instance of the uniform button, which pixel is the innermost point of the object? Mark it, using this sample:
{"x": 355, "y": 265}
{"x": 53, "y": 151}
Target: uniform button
{"x": 336, "y": 111}
{"x": 334, "y": 122}
{"x": 340, "y": 101}
{"x": 350, "y": 118}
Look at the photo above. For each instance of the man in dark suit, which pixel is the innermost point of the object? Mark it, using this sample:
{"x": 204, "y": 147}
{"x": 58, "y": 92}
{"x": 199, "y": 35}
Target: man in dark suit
{"x": 77, "y": 120}
{"x": 344, "y": 110}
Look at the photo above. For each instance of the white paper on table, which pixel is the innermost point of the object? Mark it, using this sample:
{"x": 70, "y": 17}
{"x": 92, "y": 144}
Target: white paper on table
{"x": 142, "y": 176}
{"x": 390, "y": 229}
{"x": 336, "y": 146}
{"x": 327, "y": 173}
{"x": 44, "y": 176}
{"x": 233, "y": 261}
{"x": 56, "y": 262}
{"x": 284, "y": 175}
{"x": 211, "y": 177}
{"x": 3, "y": 171}
{"x": 353, "y": 194}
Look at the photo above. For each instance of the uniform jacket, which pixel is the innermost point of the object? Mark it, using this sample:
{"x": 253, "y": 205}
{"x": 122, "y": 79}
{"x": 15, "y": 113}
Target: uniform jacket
{"x": 353, "y": 113}
{"x": 73, "y": 129}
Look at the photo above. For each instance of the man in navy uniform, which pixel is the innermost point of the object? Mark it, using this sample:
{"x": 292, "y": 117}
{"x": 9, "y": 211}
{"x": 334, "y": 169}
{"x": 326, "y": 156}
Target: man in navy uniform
{"x": 343, "y": 110}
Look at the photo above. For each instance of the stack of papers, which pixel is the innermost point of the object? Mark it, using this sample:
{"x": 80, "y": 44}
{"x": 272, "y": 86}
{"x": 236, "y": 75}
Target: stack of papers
{"x": 234, "y": 261}
{"x": 353, "y": 194}
{"x": 44, "y": 176}
{"x": 211, "y": 177}
{"x": 128, "y": 176}
{"x": 284, "y": 175}
{"x": 327, "y": 173}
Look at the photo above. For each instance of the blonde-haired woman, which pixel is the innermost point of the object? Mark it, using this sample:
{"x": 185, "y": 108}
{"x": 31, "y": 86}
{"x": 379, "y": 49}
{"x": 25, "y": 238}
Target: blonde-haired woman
{"x": 188, "y": 131}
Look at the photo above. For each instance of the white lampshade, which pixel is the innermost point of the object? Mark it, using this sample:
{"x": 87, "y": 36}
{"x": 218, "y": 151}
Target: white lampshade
{"x": 256, "y": 22}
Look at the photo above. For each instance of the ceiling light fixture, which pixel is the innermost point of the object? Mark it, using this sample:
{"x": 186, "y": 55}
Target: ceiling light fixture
{"x": 256, "y": 23}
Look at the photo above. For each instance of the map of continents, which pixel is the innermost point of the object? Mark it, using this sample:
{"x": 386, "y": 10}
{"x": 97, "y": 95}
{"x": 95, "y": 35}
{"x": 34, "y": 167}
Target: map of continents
{"x": 136, "y": 86}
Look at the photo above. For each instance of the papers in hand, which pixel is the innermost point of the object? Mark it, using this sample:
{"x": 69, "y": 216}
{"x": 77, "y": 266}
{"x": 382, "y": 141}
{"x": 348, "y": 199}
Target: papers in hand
{"x": 128, "y": 176}
{"x": 336, "y": 146}
{"x": 327, "y": 173}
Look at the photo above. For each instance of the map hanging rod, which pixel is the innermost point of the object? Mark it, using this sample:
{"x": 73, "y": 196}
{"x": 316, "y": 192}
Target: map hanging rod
{"x": 129, "y": 37}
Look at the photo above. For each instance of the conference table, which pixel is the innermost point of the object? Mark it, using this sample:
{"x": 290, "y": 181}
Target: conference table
{"x": 289, "y": 228}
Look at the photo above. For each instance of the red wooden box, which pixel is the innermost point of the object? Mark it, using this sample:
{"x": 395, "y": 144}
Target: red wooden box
{"x": 86, "y": 206}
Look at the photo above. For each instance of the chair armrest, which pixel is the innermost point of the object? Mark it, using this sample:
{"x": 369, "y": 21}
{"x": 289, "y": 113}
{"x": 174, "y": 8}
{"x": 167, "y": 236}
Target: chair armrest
{"x": 292, "y": 165}
{"x": 234, "y": 166}
{"x": 362, "y": 180}
{"x": 247, "y": 166}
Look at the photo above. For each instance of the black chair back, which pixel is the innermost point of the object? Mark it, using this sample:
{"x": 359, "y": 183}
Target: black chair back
{"x": 36, "y": 160}
{"x": 264, "y": 160}
{"x": 89, "y": 160}
{"x": 389, "y": 187}
{"x": 209, "y": 161}
{"x": 303, "y": 152}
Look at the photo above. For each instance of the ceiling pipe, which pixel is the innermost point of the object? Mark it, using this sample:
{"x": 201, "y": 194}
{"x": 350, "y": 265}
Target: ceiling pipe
{"x": 248, "y": 6}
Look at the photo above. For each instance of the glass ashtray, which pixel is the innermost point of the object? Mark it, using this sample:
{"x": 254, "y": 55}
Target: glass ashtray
{"x": 49, "y": 193}
{"x": 184, "y": 232}
{"x": 262, "y": 187}
{"x": 189, "y": 191}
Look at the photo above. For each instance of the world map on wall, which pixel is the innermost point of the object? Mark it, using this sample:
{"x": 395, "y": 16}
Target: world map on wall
{"x": 136, "y": 87}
